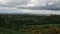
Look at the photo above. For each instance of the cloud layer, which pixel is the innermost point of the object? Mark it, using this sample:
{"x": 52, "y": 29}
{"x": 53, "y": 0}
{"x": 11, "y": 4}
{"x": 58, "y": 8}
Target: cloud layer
{"x": 13, "y": 2}
{"x": 29, "y": 2}
{"x": 44, "y": 4}
{"x": 30, "y": 6}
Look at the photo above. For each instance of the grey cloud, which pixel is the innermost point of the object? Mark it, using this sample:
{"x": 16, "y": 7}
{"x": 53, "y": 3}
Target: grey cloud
{"x": 13, "y": 2}
{"x": 55, "y": 6}
{"x": 18, "y": 2}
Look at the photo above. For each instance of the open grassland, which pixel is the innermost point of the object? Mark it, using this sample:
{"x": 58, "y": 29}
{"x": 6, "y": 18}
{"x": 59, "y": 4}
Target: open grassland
{"x": 33, "y": 29}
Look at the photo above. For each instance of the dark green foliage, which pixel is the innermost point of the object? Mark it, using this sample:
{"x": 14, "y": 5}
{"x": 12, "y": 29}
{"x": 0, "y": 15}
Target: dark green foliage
{"x": 15, "y": 21}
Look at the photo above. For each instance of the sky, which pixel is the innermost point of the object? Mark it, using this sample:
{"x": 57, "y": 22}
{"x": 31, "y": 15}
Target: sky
{"x": 30, "y": 7}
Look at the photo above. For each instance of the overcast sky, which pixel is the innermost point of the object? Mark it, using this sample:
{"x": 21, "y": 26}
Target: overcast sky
{"x": 30, "y": 6}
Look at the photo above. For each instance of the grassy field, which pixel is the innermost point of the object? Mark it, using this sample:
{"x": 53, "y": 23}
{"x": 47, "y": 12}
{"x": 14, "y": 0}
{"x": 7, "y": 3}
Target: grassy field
{"x": 10, "y": 31}
{"x": 42, "y": 29}
{"x": 33, "y": 29}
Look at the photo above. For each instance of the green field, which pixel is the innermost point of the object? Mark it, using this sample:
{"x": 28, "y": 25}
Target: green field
{"x": 10, "y": 31}
{"x": 32, "y": 29}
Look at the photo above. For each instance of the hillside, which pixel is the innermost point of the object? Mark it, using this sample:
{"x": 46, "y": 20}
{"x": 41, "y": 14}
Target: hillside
{"x": 28, "y": 23}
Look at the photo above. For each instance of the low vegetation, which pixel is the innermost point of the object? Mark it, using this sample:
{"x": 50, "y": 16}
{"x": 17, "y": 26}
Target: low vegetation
{"x": 33, "y": 24}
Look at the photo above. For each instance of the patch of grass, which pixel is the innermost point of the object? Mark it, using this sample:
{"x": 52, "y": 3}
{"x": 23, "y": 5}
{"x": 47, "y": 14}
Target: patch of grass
{"x": 43, "y": 29}
{"x": 10, "y": 31}
{"x": 32, "y": 29}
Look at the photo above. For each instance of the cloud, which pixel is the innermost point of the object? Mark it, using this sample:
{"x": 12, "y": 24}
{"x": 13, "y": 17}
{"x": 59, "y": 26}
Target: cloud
{"x": 43, "y": 5}
{"x": 13, "y": 2}
{"x": 30, "y": 6}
